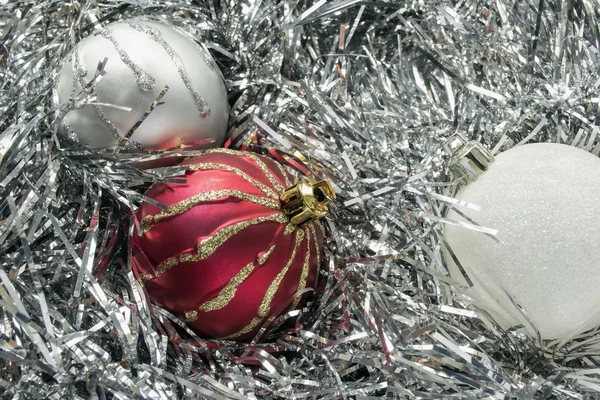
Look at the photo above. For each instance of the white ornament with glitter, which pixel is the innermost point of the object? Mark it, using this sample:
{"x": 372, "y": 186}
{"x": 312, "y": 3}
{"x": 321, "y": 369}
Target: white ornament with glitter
{"x": 542, "y": 270}
{"x": 144, "y": 57}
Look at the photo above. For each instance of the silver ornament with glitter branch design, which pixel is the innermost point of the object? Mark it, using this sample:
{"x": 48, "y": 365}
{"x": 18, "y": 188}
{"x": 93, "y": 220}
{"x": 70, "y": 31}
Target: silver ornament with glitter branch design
{"x": 144, "y": 57}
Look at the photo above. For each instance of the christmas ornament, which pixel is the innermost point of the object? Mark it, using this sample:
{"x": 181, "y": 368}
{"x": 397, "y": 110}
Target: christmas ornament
{"x": 143, "y": 58}
{"x": 543, "y": 200}
{"x": 238, "y": 241}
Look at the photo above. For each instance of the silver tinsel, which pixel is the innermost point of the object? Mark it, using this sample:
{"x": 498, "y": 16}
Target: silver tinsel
{"x": 365, "y": 92}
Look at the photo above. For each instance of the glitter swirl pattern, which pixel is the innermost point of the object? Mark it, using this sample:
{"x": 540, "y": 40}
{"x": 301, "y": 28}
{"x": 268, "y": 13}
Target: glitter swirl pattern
{"x": 144, "y": 80}
{"x": 154, "y": 34}
{"x": 265, "y": 305}
{"x": 228, "y": 292}
{"x": 187, "y": 204}
{"x": 209, "y": 245}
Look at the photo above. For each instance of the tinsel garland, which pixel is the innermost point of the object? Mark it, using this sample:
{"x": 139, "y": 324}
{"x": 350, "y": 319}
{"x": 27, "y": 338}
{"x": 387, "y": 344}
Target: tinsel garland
{"x": 366, "y": 92}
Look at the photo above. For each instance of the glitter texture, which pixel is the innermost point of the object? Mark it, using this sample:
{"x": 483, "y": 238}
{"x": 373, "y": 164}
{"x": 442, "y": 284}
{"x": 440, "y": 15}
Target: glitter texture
{"x": 228, "y": 292}
{"x": 190, "y": 316}
{"x": 304, "y": 274}
{"x": 200, "y": 198}
{"x": 272, "y": 178}
{"x": 212, "y": 243}
{"x": 203, "y": 166}
{"x": 79, "y": 83}
{"x": 144, "y": 80}
{"x": 265, "y": 305}
{"x": 289, "y": 229}
{"x": 313, "y": 234}
{"x": 203, "y": 108}
{"x": 263, "y": 258}
{"x": 285, "y": 175}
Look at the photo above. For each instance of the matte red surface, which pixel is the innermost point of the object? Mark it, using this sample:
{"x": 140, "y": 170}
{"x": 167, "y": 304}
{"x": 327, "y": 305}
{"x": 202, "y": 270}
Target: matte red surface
{"x": 187, "y": 285}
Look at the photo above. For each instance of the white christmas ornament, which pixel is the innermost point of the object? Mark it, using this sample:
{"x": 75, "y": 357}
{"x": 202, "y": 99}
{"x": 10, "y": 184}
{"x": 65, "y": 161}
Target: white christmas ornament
{"x": 143, "y": 58}
{"x": 544, "y": 200}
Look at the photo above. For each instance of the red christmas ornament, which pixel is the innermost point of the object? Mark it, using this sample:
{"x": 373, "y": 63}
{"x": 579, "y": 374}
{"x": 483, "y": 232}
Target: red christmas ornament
{"x": 235, "y": 245}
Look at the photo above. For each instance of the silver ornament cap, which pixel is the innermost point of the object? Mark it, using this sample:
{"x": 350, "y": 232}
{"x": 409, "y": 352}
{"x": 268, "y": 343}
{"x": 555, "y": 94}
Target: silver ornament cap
{"x": 468, "y": 159}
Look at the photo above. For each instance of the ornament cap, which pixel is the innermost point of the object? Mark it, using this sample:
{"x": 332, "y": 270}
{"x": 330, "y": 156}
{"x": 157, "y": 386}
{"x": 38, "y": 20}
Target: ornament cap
{"x": 306, "y": 201}
{"x": 469, "y": 159}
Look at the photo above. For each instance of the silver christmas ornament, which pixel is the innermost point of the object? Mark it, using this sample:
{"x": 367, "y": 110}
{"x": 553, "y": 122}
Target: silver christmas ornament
{"x": 160, "y": 89}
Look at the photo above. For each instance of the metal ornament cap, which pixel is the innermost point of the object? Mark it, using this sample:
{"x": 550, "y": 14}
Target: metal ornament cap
{"x": 469, "y": 159}
{"x": 307, "y": 201}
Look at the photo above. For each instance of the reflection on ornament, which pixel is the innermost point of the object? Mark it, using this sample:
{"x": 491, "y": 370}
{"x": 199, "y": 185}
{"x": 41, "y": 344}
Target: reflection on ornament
{"x": 143, "y": 58}
{"x": 225, "y": 256}
{"x": 544, "y": 201}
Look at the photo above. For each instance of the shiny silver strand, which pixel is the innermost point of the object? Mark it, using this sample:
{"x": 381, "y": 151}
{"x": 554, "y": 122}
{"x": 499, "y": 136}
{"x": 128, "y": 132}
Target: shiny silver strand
{"x": 362, "y": 93}
{"x": 79, "y": 83}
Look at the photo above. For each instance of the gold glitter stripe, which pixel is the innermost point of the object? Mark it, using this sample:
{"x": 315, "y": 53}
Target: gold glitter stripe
{"x": 265, "y": 305}
{"x": 270, "y": 176}
{"x": 142, "y": 280}
{"x": 263, "y": 259}
{"x": 228, "y": 292}
{"x": 316, "y": 242}
{"x": 224, "y": 151}
{"x": 247, "y": 329}
{"x": 320, "y": 226}
{"x": 190, "y": 316}
{"x": 304, "y": 275}
{"x": 289, "y": 229}
{"x": 188, "y": 204}
{"x": 209, "y": 245}
{"x": 288, "y": 183}
{"x": 263, "y": 188}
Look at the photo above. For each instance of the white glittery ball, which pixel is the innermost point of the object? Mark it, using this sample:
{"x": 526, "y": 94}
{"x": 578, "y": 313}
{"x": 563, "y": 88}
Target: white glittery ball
{"x": 143, "y": 58}
{"x": 544, "y": 199}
